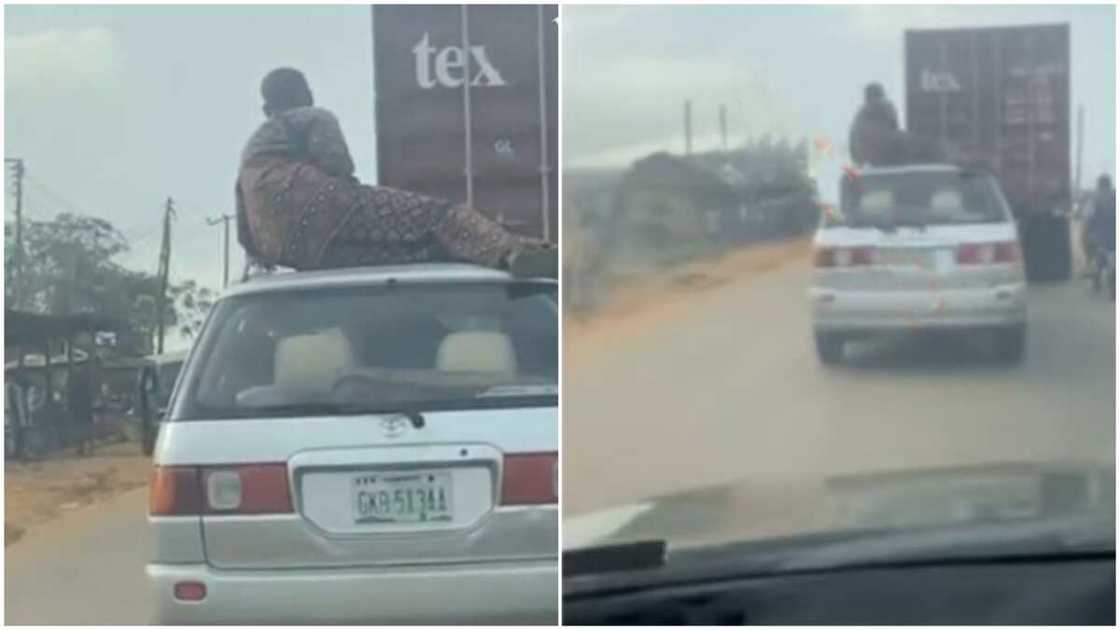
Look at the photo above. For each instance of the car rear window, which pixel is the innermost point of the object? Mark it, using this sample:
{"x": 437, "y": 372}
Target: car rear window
{"x": 948, "y": 198}
{"x": 375, "y": 348}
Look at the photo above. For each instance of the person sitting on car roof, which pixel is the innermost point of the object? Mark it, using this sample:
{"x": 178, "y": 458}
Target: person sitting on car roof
{"x": 299, "y": 204}
{"x": 872, "y": 132}
{"x": 876, "y": 139}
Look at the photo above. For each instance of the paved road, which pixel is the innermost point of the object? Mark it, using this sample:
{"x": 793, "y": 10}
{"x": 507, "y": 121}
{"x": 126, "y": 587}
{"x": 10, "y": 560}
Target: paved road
{"x": 732, "y": 389}
{"x": 728, "y": 390}
{"x": 85, "y": 568}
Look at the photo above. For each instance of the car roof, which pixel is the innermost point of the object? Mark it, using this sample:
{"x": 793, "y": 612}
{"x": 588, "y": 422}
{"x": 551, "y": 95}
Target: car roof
{"x": 909, "y": 168}
{"x": 357, "y": 276}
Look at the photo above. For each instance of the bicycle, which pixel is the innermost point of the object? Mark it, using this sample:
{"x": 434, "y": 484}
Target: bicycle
{"x": 1104, "y": 271}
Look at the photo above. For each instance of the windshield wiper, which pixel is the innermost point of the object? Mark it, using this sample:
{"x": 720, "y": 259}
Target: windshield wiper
{"x": 518, "y": 390}
{"x": 327, "y": 408}
{"x": 882, "y": 226}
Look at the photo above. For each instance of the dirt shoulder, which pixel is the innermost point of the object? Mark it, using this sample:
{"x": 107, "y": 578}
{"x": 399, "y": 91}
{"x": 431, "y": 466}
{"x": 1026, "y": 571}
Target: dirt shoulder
{"x": 640, "y": 305}
{"x": 38, "y": 492}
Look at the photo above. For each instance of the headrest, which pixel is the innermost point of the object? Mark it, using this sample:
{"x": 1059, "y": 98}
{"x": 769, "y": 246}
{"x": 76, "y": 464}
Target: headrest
{"x": 312, "y": 363}
{"x": 477, "y": 351}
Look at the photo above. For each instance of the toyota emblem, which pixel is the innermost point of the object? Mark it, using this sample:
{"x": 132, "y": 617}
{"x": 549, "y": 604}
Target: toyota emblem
{"x": 394, "y": 426}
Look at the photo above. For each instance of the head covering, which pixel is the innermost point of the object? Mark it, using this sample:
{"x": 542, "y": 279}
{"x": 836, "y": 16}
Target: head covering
{"x": 284, "y": 89}
{"x": 874, "y": 92}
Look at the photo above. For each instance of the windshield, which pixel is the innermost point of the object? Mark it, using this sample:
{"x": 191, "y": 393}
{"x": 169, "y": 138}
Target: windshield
{"x": 936, "y": 358}
{"x": 921, "y": 199}
{"x": 376, "y": 348}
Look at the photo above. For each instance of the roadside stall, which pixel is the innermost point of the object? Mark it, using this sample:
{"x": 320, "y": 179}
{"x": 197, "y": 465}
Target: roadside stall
{"x": 41, "y": 355}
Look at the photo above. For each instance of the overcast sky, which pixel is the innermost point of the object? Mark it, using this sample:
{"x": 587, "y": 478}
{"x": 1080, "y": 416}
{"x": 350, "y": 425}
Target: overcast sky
{"x": 797, "y": 71}
{"x": 115, "y": 108}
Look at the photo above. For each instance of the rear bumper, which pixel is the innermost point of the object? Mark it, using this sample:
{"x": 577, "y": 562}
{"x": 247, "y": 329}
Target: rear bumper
{"x": 498, "y": 593}
{"x": 866, "y": 311}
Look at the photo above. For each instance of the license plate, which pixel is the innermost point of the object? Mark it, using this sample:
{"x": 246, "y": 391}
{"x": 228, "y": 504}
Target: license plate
{"x": 413, "y": 497}
{"x": 921, "y": 258}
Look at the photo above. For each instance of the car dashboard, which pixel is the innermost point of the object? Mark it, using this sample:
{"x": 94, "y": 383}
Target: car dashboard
{"x": 1062, "y": 590}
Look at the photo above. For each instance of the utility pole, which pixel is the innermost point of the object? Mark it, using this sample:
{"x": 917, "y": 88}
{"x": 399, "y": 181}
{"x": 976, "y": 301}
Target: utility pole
{"x": 1080, "y": 145}
{"x": 17, "y": 257}
{"x": 224, "y": 219}
{"x": 688, "y": 127}
{"x": 723, "y": 125}
{"x": 164, "y": 271}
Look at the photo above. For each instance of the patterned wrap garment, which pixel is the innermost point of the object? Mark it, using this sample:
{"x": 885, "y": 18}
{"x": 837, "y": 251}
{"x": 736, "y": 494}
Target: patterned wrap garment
{"x": 299, "y": 205}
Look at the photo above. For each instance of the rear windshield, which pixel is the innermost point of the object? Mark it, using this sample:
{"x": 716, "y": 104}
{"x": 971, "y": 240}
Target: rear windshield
{"x": 375, "y": 349}
{"x": 920, "y": 199}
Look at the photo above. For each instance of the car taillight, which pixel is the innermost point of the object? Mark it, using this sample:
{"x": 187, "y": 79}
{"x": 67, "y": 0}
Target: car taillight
{"x": 843, "y": 256}
{"x": 989, "y": 253}
{"x": 174, "y": 491}
{"x": 250, "y": 489}
{"x": 976, "y": 254}
{"x": 1009, "y": 252}
{"x": 530, "y": 478}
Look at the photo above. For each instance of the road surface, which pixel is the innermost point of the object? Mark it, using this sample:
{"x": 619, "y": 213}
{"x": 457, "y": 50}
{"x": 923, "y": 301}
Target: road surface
{"x": 729, "y": 388}
{"x": 726, "y": 388}
{"x": 84, "y": 568}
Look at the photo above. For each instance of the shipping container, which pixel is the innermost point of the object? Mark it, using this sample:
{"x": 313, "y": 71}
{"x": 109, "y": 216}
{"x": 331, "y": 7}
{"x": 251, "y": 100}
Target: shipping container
{"x": 1001, "y": 97}
{"x": 466, "y": 107}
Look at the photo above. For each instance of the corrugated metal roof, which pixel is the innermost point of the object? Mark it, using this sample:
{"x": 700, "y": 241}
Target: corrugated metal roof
{"x": 38, "y": 361}
{"x": 23, "y": 327}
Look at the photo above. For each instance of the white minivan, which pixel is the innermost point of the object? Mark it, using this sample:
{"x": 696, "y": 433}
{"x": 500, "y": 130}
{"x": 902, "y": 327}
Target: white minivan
{"x": 919, "y": 247}
{"x": 363, "y": 446}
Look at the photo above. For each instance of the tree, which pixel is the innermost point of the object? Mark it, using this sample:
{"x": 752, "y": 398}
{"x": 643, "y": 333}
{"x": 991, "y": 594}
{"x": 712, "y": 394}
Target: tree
{"x": 191, "y": 304}
{"x": 66, "y": 265}
{"x": 69, "y": 268}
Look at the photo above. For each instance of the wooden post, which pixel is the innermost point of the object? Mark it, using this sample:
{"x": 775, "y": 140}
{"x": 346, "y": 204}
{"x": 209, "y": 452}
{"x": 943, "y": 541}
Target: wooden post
{"x": 49, "y": 411}
{"x": 72, "y": 423}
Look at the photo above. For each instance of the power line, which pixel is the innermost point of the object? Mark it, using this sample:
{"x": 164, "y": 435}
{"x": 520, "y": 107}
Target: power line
{"x": 156, "y": 230}
{"x": 136, "y": 241}
{"x": 132, "y": 237}
{"x": 38, "y": 207}
{"x": 67, "y": 204}
{"x": 129, "y": 233}
{"x": 192, "y": 237}
{"x": 58, "y": 198}
{"x": 187, "y": 209}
